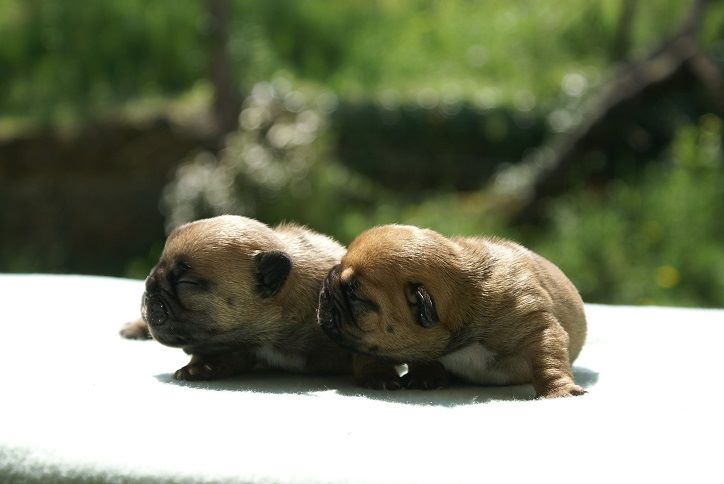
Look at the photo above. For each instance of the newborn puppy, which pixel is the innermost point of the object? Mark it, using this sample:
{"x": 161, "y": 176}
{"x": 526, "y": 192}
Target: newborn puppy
{"x": 489, "y": 310}
{"x": 236, "y": 294}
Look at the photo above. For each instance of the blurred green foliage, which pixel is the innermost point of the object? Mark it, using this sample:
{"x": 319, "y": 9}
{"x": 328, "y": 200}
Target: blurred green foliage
{"x": 657, "y": 239}
{"x": 366, "y": 112}
{"x": 59, "y": 62}
{"x": 64, "y": 59}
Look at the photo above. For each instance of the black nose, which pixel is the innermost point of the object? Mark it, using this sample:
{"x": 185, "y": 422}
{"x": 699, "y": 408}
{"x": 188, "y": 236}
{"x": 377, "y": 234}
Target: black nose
{"x": 325, "y": 310}
{"x": 153, "y": 310}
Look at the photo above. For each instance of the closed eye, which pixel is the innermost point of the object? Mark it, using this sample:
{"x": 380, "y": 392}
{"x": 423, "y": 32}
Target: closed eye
{"x": 350, "y": 292}
{"x": 180, "y": 276}
{"x": 187, "y": 281}
{"x": 188, "y": 286}
{"x": 352, "y": 296}
{"x": 358, "y": 301}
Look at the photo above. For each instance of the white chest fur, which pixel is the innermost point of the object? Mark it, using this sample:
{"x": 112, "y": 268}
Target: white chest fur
{"x": 474, "y": 363}
{"x": 273, "y": 358}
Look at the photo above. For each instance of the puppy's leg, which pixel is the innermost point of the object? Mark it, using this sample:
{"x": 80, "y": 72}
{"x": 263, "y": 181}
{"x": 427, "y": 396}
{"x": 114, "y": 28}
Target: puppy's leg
{"x": 425, "y": 376}
{"x": 547, "y": 353}
{"x": 213, "y": 367}
{"x": 137, "y": 329}
{"x": 372, "y": 373}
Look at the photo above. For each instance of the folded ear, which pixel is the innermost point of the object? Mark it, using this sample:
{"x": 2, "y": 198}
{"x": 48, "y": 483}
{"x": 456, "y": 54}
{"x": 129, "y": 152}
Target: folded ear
{"x": 424, "y": 306}
{"x": 271, "y": 269}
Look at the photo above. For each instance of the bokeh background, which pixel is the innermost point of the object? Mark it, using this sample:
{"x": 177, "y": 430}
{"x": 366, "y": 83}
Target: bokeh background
{"x": 589, "y": 131}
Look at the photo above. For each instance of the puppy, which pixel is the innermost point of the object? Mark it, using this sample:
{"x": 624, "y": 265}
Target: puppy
{"x": 487, "y": 309}
{"x": 236, "y": 294}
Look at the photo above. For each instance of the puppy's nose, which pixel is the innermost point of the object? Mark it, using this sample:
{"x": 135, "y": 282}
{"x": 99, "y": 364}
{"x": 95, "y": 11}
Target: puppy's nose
{"x": 325, "y": 309}
{"x": 153, "y": 310}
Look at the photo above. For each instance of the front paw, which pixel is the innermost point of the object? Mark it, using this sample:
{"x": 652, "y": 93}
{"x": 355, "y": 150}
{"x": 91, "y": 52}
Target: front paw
{"x": 135, "y": 330}
{"x": 369, "y": 372}
{"x": 214, "y": 367}
{"x": 425, "y": 376}
{"x": 379, "y": 380}
{"x": 196, "y": 372}
{"x": 568, "y": 390}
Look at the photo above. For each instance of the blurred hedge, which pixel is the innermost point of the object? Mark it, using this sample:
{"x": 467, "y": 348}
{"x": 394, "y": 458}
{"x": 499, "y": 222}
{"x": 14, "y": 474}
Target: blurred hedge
{"x": 416, "y": 149}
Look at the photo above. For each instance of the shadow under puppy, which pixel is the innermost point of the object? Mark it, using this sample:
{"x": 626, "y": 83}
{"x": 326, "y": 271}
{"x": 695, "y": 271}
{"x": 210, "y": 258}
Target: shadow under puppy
{"x": 486, "y": 309}
{"x": 237, "y": 294}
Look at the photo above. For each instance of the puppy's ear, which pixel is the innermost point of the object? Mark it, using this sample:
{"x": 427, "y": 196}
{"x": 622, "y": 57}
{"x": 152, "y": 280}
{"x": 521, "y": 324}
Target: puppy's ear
{"x": 271, "y": 269}
{"x": 423, "y": 304}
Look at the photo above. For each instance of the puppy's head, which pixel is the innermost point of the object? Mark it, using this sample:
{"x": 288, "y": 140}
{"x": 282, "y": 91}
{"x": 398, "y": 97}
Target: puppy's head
{"x": 219, "y": 283}
{"x": 390, "y": 296}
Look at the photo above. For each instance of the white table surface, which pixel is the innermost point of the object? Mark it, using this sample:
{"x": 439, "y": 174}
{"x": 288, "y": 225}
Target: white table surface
{"x": 80, "y": 403}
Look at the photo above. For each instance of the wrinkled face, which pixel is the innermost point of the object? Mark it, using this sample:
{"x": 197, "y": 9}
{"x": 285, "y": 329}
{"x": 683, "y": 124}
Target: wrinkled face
{"x": 206, "y": 296}
{"x": 166, "y": 305}
{"x": 378, "y": 310}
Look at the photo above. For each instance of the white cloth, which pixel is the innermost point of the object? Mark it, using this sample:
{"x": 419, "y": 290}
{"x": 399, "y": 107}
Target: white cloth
{"x": 79, "y": 402}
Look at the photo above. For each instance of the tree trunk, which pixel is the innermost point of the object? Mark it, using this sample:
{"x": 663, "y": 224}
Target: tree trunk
{"x": 227, "y": 99}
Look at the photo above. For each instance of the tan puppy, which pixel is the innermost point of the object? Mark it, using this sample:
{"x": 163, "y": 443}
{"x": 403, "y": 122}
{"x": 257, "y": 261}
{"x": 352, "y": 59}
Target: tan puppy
{"x": 237, "y": 294}
{"x": 489, "y": 310}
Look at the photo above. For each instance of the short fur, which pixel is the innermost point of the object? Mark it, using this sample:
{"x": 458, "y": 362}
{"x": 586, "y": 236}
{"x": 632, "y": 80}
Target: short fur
{"x": 237, "y": 294}
{"x": 407, "y": 294}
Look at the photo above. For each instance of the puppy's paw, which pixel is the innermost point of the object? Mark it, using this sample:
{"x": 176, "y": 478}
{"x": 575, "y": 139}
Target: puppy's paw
{"x": 214, "y": 367}
{"x": 425, "y": 376}
{"x": 372, "y": 373}
{"x": 196, "y": 372}
{"x": 135, "y": 330}
{"x": 379, "y": 381}
{"x": 568, "y": 390}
